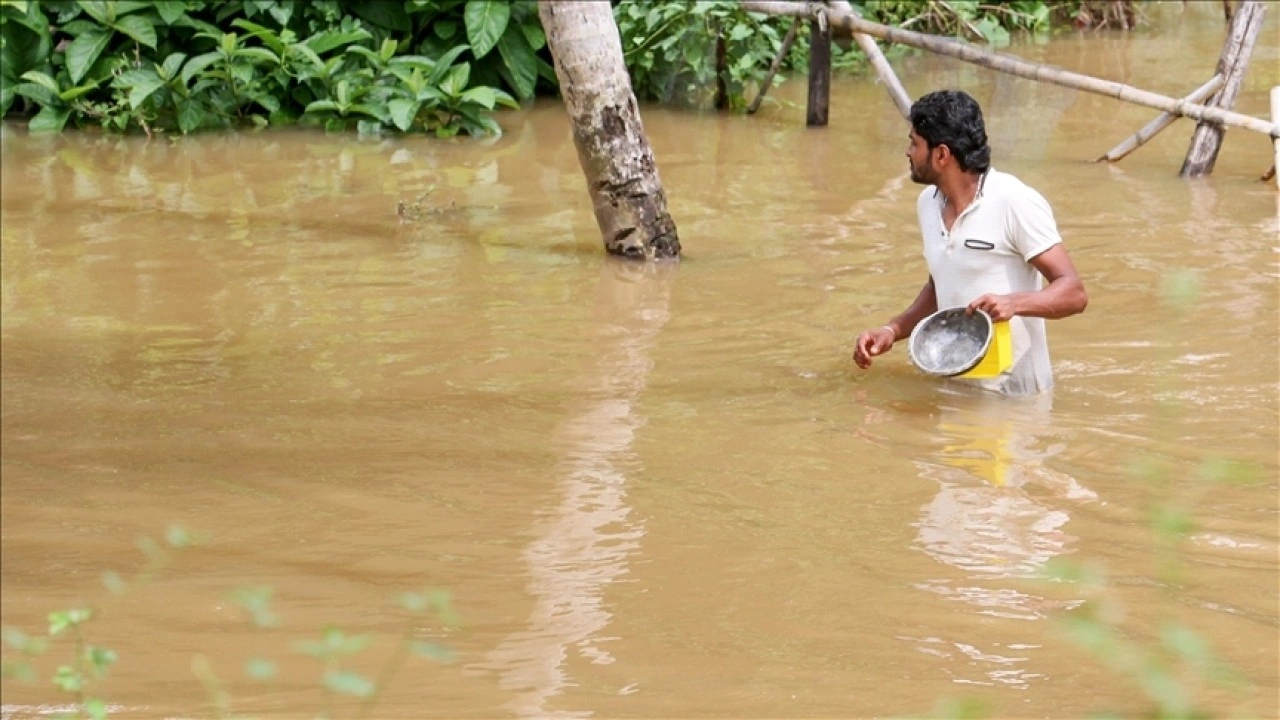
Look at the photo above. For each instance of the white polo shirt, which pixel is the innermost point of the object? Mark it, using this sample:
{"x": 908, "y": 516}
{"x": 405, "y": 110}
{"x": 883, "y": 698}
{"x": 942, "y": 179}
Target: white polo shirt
{"x": 988, "y": 250}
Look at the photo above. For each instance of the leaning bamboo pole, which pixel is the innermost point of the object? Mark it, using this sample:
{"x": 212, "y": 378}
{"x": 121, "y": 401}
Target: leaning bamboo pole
{"x": 1162, "y": 121}
{"x": 879, "y": 63}
{"x": 773, "y": 67}
{"x": 1019, "y": 67}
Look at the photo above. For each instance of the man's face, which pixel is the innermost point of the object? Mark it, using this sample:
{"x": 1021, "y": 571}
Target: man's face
{"x": 920, "y": 158}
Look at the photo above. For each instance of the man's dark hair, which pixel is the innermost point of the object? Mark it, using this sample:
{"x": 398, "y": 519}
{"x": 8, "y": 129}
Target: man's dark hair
{"x": 953, "y": 118}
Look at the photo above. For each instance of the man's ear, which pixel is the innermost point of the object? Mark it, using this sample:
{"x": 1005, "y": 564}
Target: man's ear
{"x": 941, "y": 153}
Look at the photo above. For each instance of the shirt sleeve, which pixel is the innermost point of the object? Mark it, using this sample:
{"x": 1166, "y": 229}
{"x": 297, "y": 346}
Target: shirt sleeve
{"x": 1032, "y": 229}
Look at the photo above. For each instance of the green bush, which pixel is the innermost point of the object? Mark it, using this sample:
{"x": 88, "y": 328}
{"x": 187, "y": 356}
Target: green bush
{"x": 439, "y": 66}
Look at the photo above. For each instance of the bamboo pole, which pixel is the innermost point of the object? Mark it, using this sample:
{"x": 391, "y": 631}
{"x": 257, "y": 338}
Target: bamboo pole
{"x": 1023, "y": 68}
{"x": 1202, "y": 154}
{"x": 1164, "y": 120}
{"x": 819, "y": 71}
{"x": 773, "y": 67}
{"x": 879, "y": 63}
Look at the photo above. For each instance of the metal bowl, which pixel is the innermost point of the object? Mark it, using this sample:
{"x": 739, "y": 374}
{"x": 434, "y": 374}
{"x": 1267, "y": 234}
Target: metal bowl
{"x": 950, "y": 342}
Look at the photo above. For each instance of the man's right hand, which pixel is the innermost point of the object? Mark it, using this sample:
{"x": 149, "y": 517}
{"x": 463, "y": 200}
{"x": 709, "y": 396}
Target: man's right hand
{"x": 873, "y": 343}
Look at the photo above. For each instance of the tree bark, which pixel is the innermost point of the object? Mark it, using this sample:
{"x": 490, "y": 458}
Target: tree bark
{"x": 1207, "y": 140}
{"x": 1162, "y": 121}
{"x": 622, "y": 175}
{"x": 819, "y": 72}
{"x": 1019, "y": 67}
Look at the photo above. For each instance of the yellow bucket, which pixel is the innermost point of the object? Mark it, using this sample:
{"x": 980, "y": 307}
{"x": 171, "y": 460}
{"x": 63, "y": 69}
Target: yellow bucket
{"x": 999, "y": 357}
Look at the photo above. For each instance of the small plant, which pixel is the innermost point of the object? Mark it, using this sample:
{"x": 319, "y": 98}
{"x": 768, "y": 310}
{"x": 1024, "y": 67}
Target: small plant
{"x": 82, "y": 677}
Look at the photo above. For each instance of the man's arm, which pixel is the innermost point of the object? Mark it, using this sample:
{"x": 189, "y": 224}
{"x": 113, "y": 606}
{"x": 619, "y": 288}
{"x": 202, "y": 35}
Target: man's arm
{"x": 879, "y": 341}
{"x": 1062, "y": 297}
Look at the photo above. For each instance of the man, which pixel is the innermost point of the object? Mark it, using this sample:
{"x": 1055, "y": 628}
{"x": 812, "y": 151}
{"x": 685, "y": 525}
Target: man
{"x": 989, "y": 240}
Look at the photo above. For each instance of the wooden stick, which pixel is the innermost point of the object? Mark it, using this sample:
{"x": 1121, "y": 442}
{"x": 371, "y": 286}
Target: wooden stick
{"x": 1164, "y": 120}
{"x": 1202, "y": 154}
{"x": 1023, "y": 68}
{"x": 819, "y": 71}
{"x": 773, "y": 67}
{"x": 879, "y": 63}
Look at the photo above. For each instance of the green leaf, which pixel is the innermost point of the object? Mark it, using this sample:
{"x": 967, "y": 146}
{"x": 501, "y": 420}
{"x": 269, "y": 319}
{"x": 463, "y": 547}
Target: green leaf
{"x": 112, "y": 581}
{"x": 96, "y": 9}
{"x": 328, "y": 40}
{"x": 83, "y": 52}
{"x": 7, "y": 95}
{"x": 124, "y": 7}
{"x": 100, "y": 658}
{"x": 20, "y": 5}
{"x": 520, "y": 61}
{"x": 96, "y": 708}
{"x": 414, "y": 602}
{"x": 42, "y": 79}
{"x": 307, "y": 53}
{"x": 486, "y": 22}
{"x": 483, "y": 96}
{"x": 257, "y": 602}
{"x": 444, "y": 63}
{"x": 384, "y": 14}
{"x": 196, "y": 64}
{"x": 42, "y": 95}
{"x": 445, "y": 29}
{"x": 190, "y": 116}
{"x": 265, "y": 34}
{"x": 348, "y": 683}
{"x": 16, "y": 639}
{"x": 534, "y": 35}
{"x": 321, "y": 106}
{"x": 432, "y": 651}
{"x": 457, "y": 80}
{"x": 282, "y": 12}
{"x": 138, "y": 28}
{"x": 22, "y": 48}
{"x": 171, "y": 10}
{"x": 60, "y": 620}
{"x": 403, "y": 112}
{"x": 68, "y": 680}
{"x": 260, "y": 54}
{"x": 260, "y": 669}
{"x": 169, "y": 69}
{"x": 141, "y": 84}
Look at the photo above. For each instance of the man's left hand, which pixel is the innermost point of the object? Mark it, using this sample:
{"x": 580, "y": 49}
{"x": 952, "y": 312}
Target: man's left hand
{"x": 999, "y": 307}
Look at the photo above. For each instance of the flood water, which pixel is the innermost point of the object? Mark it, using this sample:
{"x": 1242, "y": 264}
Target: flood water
{"x": 651, "y": 491}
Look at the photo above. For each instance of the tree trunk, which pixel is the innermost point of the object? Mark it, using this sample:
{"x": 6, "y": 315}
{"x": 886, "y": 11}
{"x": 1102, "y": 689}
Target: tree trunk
{"x": 622, "y": 176}
{"x": 1019, "y": 67}
{"x": 1207, "y": 140}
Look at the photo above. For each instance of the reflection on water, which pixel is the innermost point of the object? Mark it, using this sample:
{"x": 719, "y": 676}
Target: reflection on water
{"x": 583, "y": 544}
{"x": 999, "y": 515}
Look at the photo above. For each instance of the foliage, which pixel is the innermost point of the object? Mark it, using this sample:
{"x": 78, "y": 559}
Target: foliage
{"x": 439, "y": 66}
{"x": 671, "y": 47}
{"x": 83, "y": 676}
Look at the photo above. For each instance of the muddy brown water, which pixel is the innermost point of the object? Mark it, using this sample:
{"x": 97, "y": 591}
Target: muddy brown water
{"x": 651, "y": 492}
